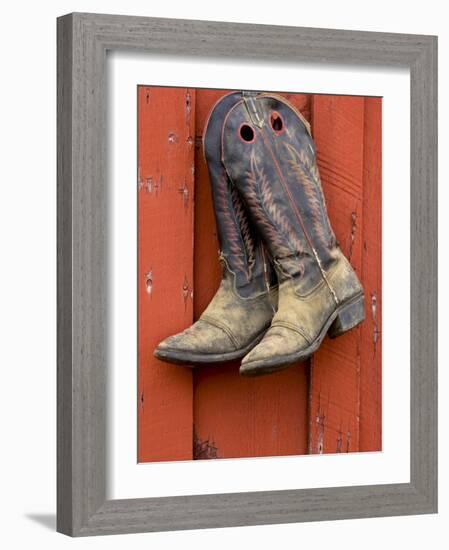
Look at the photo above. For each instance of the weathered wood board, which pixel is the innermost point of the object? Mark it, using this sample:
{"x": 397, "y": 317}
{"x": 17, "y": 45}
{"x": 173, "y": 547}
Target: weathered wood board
{"x": 166, "y": 129}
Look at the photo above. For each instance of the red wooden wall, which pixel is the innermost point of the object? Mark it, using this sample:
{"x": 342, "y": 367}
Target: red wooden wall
{"x": 329, "y": 404}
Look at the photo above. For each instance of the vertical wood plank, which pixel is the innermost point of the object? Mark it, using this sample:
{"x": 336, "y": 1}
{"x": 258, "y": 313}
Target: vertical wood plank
{"x": 371, "y": 330}
{"x": 244, "y": 417}
{"x": 338, "y": 129}
{"x": 302, "y": 102}
{"x": 207, "y": 271}
{"x": 166, "y": 118}
{"x": 234, "y": 416}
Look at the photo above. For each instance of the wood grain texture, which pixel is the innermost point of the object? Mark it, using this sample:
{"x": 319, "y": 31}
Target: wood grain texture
{"x": 371, "y": 330}
{"x": 242, "y": 417}
{"x": 423, "y": 273}
{"x": 255, "y": 508}
{"x": 166, "y": 125}
{"x": 83, "y": 40}
{"x": 231, "y": 40}
{"x": 82, "y": 277}
{"x": 338, "y": 130}
{"x": 65, "y": 404}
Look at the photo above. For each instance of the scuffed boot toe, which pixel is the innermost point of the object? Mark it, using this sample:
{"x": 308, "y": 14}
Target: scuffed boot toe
{"x": 200, "y": 343}
{"x": 278, "y": 349}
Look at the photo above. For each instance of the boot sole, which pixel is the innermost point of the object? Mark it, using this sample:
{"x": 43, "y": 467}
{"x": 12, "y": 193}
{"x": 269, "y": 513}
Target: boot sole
{"x": 346, "y": 317}
{"x": 189, "y": 359}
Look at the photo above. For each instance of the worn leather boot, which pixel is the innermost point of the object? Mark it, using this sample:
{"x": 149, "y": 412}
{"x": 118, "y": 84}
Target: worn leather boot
{"x": 242, "y": 309}
{"x": 269, "y": 155}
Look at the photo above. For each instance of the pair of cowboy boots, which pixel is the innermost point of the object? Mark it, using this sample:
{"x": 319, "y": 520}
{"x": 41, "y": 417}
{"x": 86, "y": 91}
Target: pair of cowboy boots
{"x": 285, "y": 283}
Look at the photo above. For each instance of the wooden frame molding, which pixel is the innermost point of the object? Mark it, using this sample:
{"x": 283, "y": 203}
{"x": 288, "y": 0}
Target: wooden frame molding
{"x": 83, "y": 40}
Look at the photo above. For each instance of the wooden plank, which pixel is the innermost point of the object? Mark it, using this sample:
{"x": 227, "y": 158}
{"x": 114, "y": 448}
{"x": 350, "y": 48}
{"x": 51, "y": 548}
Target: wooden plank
{"x": 303, "y": 102}
{"x": 338, "y": 129}
{"x": 233, "y": 416}
{"x": 371, "y": 330}
{"x": 206, "y": 239}
{"x": 166, "y": 118}
{"x": 244, "y": 417}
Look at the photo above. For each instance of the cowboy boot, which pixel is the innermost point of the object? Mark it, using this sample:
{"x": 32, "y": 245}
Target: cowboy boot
{"x": 241, "y": 311}
{"x": 269, "y": 155}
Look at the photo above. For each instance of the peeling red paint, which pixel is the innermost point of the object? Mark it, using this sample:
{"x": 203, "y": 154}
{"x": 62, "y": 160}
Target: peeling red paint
{"x": 320, "y": 417}
{"x": 149, "y": 281}
{"x": 184, "y": 191}
{"x": 376, "y": 331}
{"x": 348, "y": 441}
{"x": 353, "y": 232}
{"x": 188, "y": 107}
{"x": 339, "y": 442}
{"x": 203, "y": 450}
{"x": 187, "y": 292}
{"x": 149, "y": 185}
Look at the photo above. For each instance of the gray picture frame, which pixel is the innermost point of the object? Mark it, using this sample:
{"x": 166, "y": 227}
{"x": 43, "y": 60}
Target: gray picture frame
{"x": 83, "y": 40}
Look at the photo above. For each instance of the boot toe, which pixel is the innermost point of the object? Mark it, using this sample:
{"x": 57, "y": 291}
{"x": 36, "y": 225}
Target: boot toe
{"x": 201, "y": 339}
{"x": 278, "y": 348}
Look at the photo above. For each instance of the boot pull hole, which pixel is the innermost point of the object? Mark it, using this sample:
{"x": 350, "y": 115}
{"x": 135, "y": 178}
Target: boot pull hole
{"x": 276, "y": 122}
{"x": 247, "y": 133}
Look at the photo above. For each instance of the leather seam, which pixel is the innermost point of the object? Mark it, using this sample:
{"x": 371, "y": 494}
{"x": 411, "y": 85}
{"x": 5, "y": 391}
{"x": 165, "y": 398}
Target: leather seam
{"x": 222, "y": 327}
{"x": 258, "y": 297}
{"x": 206, "y": 124}
{"x": 330, "y": 274}
{"x": 282, "y": 99}
{"x": 290, "y": 326}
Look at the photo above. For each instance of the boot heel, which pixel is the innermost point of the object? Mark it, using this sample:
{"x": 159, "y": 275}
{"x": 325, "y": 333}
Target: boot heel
{"x": 349, "y": 317}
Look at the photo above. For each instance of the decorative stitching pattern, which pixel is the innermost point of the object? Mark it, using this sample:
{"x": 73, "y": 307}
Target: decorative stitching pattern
{"x": 234, "y": 238}
{"x": 259, "y": 196}
{"x": 222, "y": 327}
{"x": 301, "y": 331}
{"x": 307, "y": 174}
{"x": 245, "y": 229}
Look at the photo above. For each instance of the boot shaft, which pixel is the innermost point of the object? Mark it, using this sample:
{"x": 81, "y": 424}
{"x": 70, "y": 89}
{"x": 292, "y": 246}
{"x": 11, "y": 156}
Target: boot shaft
{"x": 241, "y": 248}
{"x": 268, "y": 153}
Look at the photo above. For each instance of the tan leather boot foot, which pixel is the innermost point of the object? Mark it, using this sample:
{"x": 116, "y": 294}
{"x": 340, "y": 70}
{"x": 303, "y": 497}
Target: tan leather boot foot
{"x": 303, "y": 320}
{"x": 228, "y": 329}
